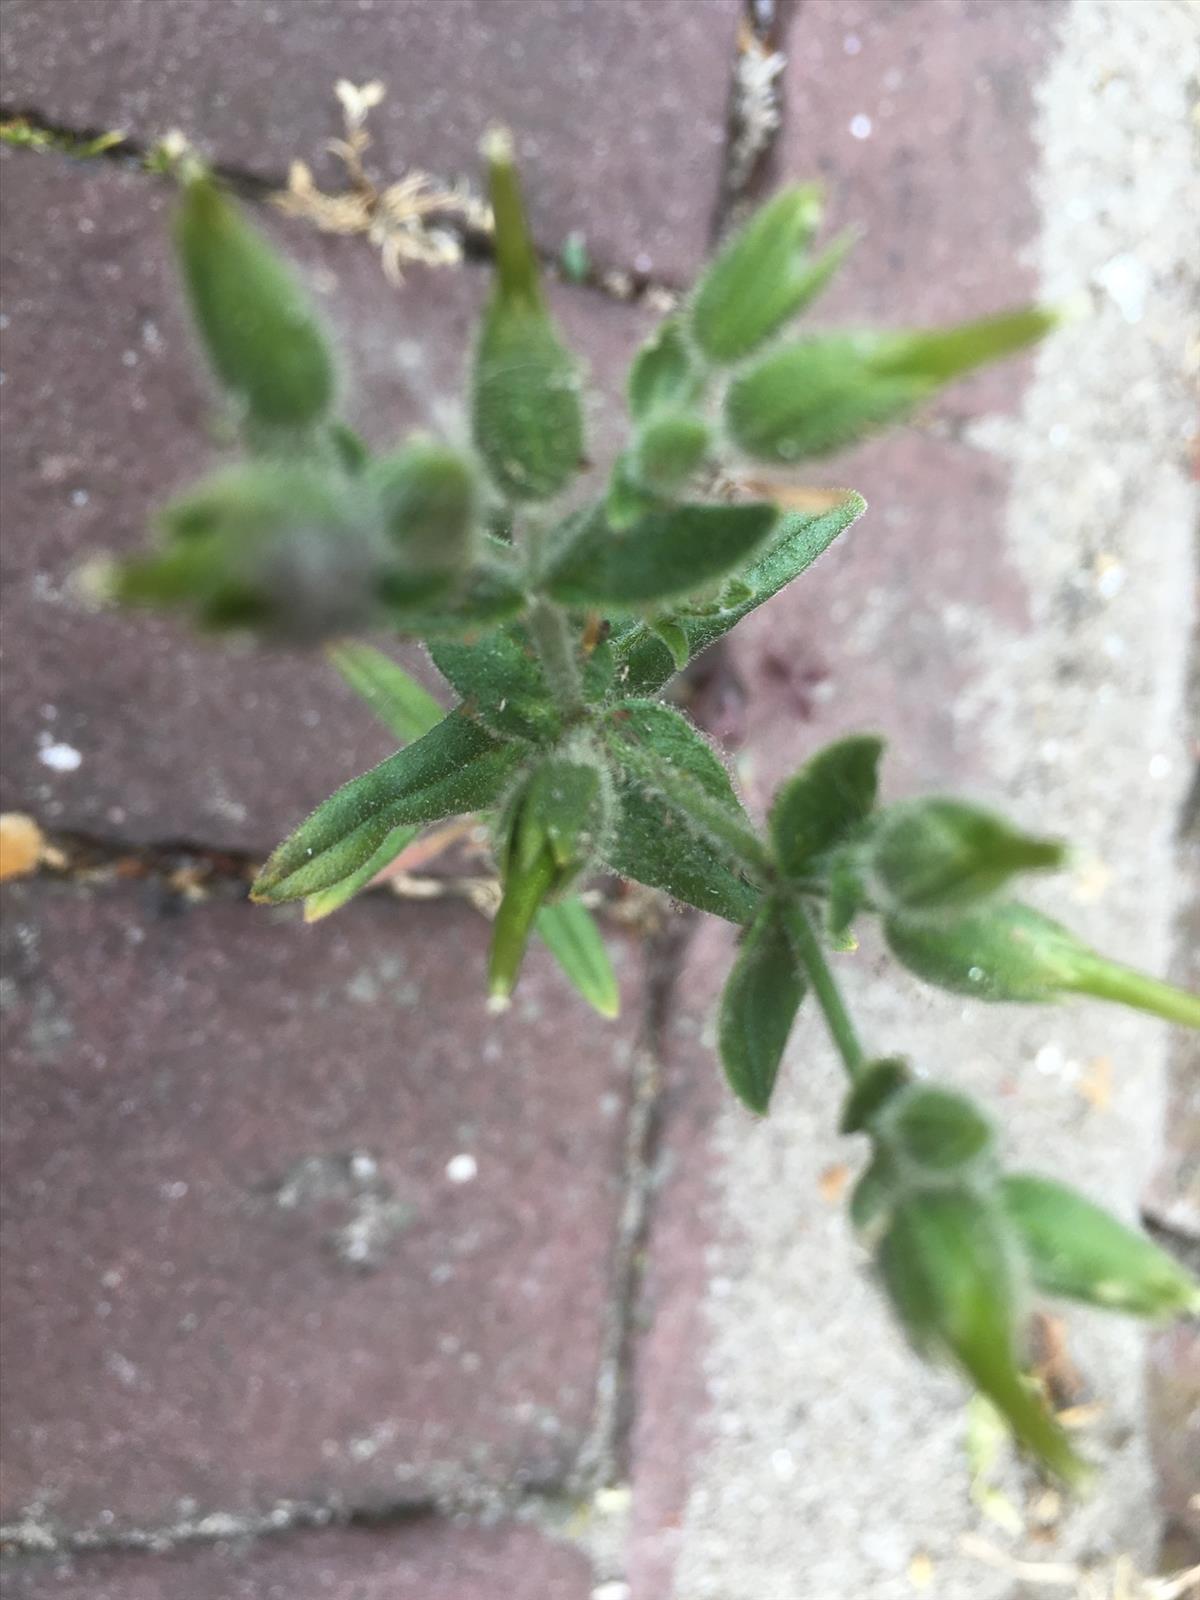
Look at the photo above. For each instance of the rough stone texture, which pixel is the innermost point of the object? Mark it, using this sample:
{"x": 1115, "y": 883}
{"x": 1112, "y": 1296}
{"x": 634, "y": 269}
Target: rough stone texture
{"x": 1009, "y": 652}
{"x": 288, "y": 1216}
{"x": 618, "y": 109}
{"x": 418, "y": 1561}
{"x": 106, "y": 412}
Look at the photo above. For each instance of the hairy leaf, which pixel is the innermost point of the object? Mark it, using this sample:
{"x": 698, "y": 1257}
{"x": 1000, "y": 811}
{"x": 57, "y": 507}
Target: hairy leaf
{"x": 326, "y": 901}
{"x": 663, "y": 555}
{"x": 397, "y": 699}
{"x": 570, "y": 933}
{"x": 826, "y": 802}
{"x": 680, "y": 827}
{"x": 644, "y": 663}
{"x": 758, "y": 1006}
{"x": 501, "y": 680}
{"x": 457, "y": 767}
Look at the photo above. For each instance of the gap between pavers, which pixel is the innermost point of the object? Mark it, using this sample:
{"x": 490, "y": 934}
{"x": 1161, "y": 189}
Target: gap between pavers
{"x": 614, "y": 100}
{"x": 292, "y": 1218}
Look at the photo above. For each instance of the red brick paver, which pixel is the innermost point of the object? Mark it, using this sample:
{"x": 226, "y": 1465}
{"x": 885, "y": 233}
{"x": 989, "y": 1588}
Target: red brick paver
{"x": 618, "y": 107}
{"x": 420, "y": 1561}
{"x": 287, "y": 1215}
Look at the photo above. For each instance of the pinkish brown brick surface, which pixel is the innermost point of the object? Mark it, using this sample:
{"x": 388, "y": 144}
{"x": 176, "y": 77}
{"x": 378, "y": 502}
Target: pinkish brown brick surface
{"x": 128, "y": 726}
{"x": 618, "y": 108}
{"x": 408, "y": 1561}
{"x": 288, "y": 1215}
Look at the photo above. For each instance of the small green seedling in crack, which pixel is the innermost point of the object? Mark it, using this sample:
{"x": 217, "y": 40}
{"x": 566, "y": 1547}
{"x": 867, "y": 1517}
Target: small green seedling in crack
{"x": 558, "y": 618}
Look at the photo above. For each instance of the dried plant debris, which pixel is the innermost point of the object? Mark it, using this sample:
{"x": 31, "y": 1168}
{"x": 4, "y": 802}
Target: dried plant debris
{"x": 416, "y": 220}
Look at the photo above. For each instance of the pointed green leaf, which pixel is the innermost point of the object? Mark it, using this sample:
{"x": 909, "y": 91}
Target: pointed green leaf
{"x": 455, "y": 768}
{"x": 761, "y": 279}
{"x": 259, "y": 331}
{"x": 939, "y": 855}
{"x": 644, "y": 663}
{"x": 758, "y": 1006}
{"x": 570, "y": 933}
{"x": 1075, "y": 1249}
{"x": 397, "y": 699}
{"x": 666, "y": 554}
{"x": 323, "y": 904}
{"x": 664, "y": 375}
{"x": 501, "y": 680}
{"x": 526, "y": 885}
{"x": 680, "y": 840}
{"x": 826, "y": 802}
{"x": 951, "y": 1268}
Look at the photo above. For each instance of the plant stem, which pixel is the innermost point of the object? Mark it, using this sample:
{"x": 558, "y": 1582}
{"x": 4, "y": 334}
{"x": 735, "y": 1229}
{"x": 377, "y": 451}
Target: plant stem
{"x": 829, "y": 997}
{"x": 1108, "y": 980}
{"x": 551, "y": 634}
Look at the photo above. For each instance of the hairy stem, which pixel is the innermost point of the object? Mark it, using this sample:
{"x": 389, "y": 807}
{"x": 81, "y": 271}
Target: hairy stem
{"x": 551, "y": 635}
{"x": 829, "y": 997}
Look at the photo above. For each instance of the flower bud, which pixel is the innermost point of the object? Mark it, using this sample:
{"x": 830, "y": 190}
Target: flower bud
{"x": 942, "y": 855}
{"x": 261, "y": 335}
{"x": 1011, "y": 952}
{"x": 289, "y": 551}
{"x": 1075, "y": 1249}
{"x": 953, "y": 1273}
{"x": 763, "y": 277}
{"x": 553, "y": 828}
{"x": 527, "y": 417}
{"x": 427, "y": 496}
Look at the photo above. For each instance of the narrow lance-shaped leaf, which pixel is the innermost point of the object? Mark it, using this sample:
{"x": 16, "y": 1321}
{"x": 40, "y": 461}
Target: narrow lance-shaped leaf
{"x": 258, "y": 328}
{"x": 455, "y": 768}
{"x": 826, "y": 802}
{"x": 397, "y": 699}
{"x": 758, "y": 1006}
{"x": 569, "y": 932}
{"x": 659, "y": 840}
{"x": 528, "y": 421}
{"x": 1075, "y": 1249}
{"x": 644, "y": 662}
{"x": 1011, "y": 952}
{"x": 327, "y": 901}
{"x": 665, "y": 554}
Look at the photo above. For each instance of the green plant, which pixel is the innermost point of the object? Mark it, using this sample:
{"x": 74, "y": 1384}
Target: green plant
{"x": 559, "y": 619}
